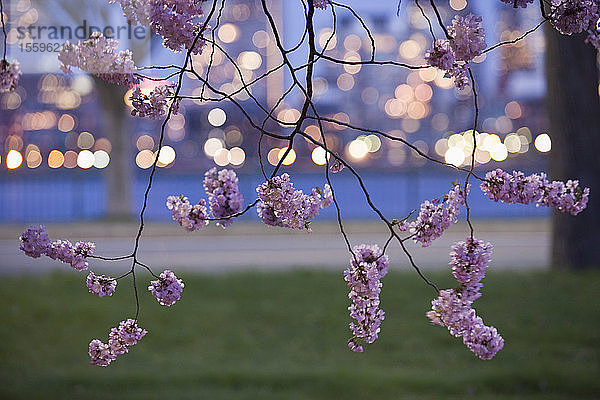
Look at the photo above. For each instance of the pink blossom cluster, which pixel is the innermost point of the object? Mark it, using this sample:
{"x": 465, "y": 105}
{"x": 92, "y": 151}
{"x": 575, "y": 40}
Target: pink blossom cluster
{"x": 435, "y": 216}
{"x": 367, "y": 267}
{"x": 224, "y": 197}
{"x": 282, "y": 205}
{"x": 453, "y": 307}
{"x": 190, "y": 217}
{"x": 337, "y": 166}
{"x": 320, "y": 3}
{"x": 573, "y": 16}
{"x": 566, "y": 197}
{"x": 442, "y": 57}
{"x": 518, "y": 3}
{"x": 155, "y": 104}
{"x": 127, "y": 334}
{"x": 167, "y": 288}
{"x": 136, "y": 11}
{"x": 453, "y": 56}
{"x": 74, "y": 254}
{"x": 101, "y": 285}
{"x": 99, "y": 56}
{"x": 35, "y": 243}
{"x": 467, "y": 37}
{"x": 9, "y": 75}
{"x": 469, "y": 260}
{"x": 267, "y": 214}
{"x": 577, "y": 16}
{"x": 177, "y": 21}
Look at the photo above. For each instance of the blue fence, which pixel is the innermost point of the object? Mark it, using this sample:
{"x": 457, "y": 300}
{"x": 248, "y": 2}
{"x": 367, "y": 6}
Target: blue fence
{"x": 76, "y": 196}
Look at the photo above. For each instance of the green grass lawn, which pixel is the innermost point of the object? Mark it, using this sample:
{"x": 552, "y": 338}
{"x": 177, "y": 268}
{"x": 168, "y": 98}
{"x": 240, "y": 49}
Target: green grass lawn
{"x": 283, "y": 336}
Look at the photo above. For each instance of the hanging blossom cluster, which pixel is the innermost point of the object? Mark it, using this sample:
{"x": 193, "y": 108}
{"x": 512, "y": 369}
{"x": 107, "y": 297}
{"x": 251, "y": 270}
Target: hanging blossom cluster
{"x": 283, "y": 205}
{"x": 155, "y": 104}
{"x": 577, "y": 16}
{"x": 101, "y": 285}
{"x": 136, "y": 11}
{"x": 572, "y": 17}
{"x": 224, "y": 197}
{"x": 190, "y": 217}
{"x": 35, "y": 243}
{"x": 453, "y": 55}
{"x": 320, "y": 3}
{"x": 436, "y": 216}
{"x": 9, "y": 75}
{"x": 224, "y": 200}
{"x": 566, "y": 197}
{"x": 177, "y": 21}
{"x": 167, "y": 288}
{"x": 99, "y": 56}
{"x": 453, "y": 308}
{"x": 367, "y": 267}
{"x": 120, "y": 339}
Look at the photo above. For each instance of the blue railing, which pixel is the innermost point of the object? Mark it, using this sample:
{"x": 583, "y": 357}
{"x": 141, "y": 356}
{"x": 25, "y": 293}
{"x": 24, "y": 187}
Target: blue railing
{"x": 75, "y": 195}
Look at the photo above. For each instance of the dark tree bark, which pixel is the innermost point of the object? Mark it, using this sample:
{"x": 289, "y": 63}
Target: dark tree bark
{"x": 118, "y": 173}
{"x": 574, "y": 112}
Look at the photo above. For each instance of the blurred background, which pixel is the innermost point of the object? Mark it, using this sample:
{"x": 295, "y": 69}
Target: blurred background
{"x": 264, "y": 312}
{"x": 60, "y": 141}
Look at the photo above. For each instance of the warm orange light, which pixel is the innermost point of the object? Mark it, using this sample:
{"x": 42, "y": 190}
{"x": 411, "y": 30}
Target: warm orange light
{"x": 55, "y": 159}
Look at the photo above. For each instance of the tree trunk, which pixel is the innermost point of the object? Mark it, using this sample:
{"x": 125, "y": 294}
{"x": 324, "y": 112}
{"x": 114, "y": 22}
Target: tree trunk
{"x": 574, "y": 112}
{"x": 118, "y": 173}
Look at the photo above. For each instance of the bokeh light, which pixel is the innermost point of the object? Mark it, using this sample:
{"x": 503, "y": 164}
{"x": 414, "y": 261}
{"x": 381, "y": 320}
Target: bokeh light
{"x": 498, "y": 152}
{"x": 212, "y": 145}
{"x": 221, "y": 157}
{"x": 458, "y": 4}
{"x": 318, "y": 156}
{"x": 345, "y": 82}
{"x": 144, "y": 159}
{"x": 70, "y": 159}
{"x": 166, "y": 156}
{"x": 217, "y": 117}
{"x": 512, "y": 143}
{"x": 237, "y": 156}
{"x": 101, "y": 159}
{"x": 454, "y": 156}
{"x": 103, "y": 144}
{"x": 513, "y": 110}
{"x": 290, "y": 158}
{"x": 543, "y": 143}
{"x": 56, "y": 159}
{"x": 13, "y": 159}
{"x": 228, "y": 33}
{"x": 33, "y": 157}
{"x": 482, "y": 156}
{"x": 85, "y": 140}
{"x": 358, "y": 149}
{"x": 66, "y": 123}
{"x": 273, "y": 156}
{"x": 441, "y": 146}
{"x": 250, "y": 60}
{"x": 85, "y": 159}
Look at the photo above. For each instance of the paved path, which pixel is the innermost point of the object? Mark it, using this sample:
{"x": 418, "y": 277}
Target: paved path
{"x": 517, "y": 245}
